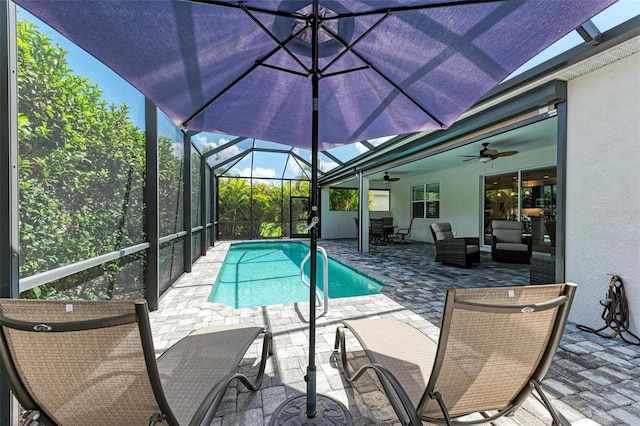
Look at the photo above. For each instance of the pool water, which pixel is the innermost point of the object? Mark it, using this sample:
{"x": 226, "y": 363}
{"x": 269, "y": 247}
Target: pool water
{"x": 268, "y": 273}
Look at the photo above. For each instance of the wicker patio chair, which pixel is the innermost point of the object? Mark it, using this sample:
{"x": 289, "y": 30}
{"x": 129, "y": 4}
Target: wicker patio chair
{"x": 463, "y": 251}
{"x": 387, "y": 225}
{"x": 542, "y": 270}
{"x": 376, "y": 232}
{"x": 495, "y": 346}
{"x": 508, "y": 244}
{"x": 94, "y": 363}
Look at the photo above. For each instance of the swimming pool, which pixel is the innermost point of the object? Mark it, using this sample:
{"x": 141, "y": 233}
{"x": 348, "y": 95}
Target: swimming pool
{"x": 268, "y": 273}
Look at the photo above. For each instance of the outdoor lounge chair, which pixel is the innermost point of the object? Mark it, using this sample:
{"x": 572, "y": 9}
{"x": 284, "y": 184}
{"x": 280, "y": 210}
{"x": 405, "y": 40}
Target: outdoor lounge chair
{"x": 508, "y": 244}
{"x": 495, "y": 346}
{"x": 462, "y": 251}
{"x": 81, "y": 362}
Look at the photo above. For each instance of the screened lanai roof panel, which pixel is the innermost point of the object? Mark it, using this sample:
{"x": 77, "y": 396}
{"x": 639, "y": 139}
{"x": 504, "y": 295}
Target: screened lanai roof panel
{"x": 224, "y": 156}
{"x": 325, "y": 163}
{"x": 345, "y": 153}
{"x": 271, "y": 145}
{"x": 242, "y": 168}
{"x": 206, "y": 141}
{"x": 295, "y": 169}
{"x": 268, "y": 164}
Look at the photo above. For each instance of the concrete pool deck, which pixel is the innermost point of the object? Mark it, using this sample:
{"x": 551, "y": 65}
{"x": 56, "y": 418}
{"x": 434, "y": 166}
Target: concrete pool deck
{"x": 593, "y": 380}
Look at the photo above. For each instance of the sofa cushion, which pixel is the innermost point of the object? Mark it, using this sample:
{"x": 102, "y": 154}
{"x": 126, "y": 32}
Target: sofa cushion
{"x": 512, "y": 246}
{"x": 507, "y": 231}
{"x": 442, "y": 231}
{"x": 472, "y": 248}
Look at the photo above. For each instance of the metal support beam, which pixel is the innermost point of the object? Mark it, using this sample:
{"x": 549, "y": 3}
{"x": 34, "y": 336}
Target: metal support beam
{"x": 590, "y": 33}
{"x": 213, "y": 206}
{"x": 152, "y": 274}
{"x": 9, "y": 231}
{"x": 363, "y": 213}
{"x": 204, "y": 186}
{"x": 186, "y": 203}
{"x": 561, "y": 196}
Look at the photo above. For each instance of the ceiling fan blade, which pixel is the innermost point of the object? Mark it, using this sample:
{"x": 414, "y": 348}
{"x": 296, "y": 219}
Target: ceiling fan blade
{"x": 506, "y": 153}
{"x": 488, "y": 152}
{"x": 475, "y": 157}
{"x": 394, "y": 179}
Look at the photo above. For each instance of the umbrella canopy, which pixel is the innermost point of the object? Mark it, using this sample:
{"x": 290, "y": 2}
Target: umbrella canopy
{"x": 385, "y": 67}
{"x": 314, "y": 74}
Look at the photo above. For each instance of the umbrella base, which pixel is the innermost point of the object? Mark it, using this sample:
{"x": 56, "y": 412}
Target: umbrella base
{"x": 293, "y": 412}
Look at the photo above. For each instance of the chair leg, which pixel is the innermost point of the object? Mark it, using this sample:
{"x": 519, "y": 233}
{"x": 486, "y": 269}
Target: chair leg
{"x": 445, "y": 413}
{"x": 212, "y": 401}
{"x": 558, "y": 418}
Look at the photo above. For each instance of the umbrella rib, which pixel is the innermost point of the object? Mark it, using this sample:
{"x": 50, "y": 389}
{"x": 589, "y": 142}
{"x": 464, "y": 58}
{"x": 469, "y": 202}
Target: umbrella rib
{"x": 355, "y": 43}
{"x": 241, "y": 5}
{"x": 387, "y": 79}
{"x": 331, "y": 74}
{"x": 345, "y": 15}
{"x": 275, "y": 39}
{"x": 410, "y": 8}
{"x": 284, "y": 70}
{"x": 235, "y": 81}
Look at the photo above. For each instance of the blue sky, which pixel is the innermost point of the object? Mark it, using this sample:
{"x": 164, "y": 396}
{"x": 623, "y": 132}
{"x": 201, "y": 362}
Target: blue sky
{"x": 116, "y": 91}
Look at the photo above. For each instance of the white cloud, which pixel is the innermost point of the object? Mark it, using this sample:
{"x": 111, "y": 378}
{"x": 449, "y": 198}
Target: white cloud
{"x": 204, "y": 143}
{"x": 329, "y": 165}
{"x": 361, "y": 148}
{"x": 178, "y": 149}
{"x": 379, "y": 141}
{"x": 258, "y": 172}
{"x": 293, "y": 167}
{"x": 225, "y": 154}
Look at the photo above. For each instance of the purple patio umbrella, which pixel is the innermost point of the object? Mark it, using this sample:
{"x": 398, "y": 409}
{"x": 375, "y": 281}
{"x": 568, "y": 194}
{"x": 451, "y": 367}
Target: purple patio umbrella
{"x": 314, "y": 73}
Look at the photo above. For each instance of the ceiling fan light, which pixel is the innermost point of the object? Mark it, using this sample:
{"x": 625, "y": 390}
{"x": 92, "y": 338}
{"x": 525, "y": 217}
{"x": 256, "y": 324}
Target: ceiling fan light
{"x": 485, "y": 159}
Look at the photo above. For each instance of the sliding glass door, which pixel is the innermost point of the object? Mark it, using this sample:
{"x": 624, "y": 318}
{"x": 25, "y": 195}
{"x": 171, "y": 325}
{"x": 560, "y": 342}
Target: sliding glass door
{"x": 525, "y": 195}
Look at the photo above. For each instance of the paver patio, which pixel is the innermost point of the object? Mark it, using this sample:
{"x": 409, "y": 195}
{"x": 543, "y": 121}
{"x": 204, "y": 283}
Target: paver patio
{"x": 593, "y": 380}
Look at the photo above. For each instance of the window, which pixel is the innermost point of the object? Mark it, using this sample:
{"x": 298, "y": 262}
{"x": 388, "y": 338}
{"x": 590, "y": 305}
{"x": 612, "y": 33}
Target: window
{"x": 425, "y": 201}
{"x": 342, "y": 199}
{"x": 379, "y": 200}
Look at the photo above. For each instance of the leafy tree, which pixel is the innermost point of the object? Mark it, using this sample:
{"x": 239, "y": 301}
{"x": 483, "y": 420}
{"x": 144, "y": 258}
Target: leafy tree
{"x": 343, "y": 199}
{"x": 258, "y": 209}
{"x": 81, "y": 167}
{"x": 235, "y": 205}
{"x": 170, "y": 185}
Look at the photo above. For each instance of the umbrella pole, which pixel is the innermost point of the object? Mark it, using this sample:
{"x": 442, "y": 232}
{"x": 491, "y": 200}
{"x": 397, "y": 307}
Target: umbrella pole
{"x": 323, "y": 410}
{"x": 310, "y": 378}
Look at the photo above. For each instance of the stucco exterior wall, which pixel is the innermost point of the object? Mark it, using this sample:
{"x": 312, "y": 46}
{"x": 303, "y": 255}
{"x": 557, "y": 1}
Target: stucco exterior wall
{"x": 603, "y": 187}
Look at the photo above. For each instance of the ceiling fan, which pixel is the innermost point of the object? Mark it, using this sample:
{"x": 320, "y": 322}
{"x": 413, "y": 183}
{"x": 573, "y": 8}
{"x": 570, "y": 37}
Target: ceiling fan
{"x": 485, "y": 155}
{"x": 386, "y": 178}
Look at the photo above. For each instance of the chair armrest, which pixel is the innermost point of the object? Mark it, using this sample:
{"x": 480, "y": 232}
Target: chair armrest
{"x": 471, "y": 241}
{"x": 449, "y": 244}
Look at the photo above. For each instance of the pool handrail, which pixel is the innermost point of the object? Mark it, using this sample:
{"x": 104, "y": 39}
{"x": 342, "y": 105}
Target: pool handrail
{"x": 325, "y": 283}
